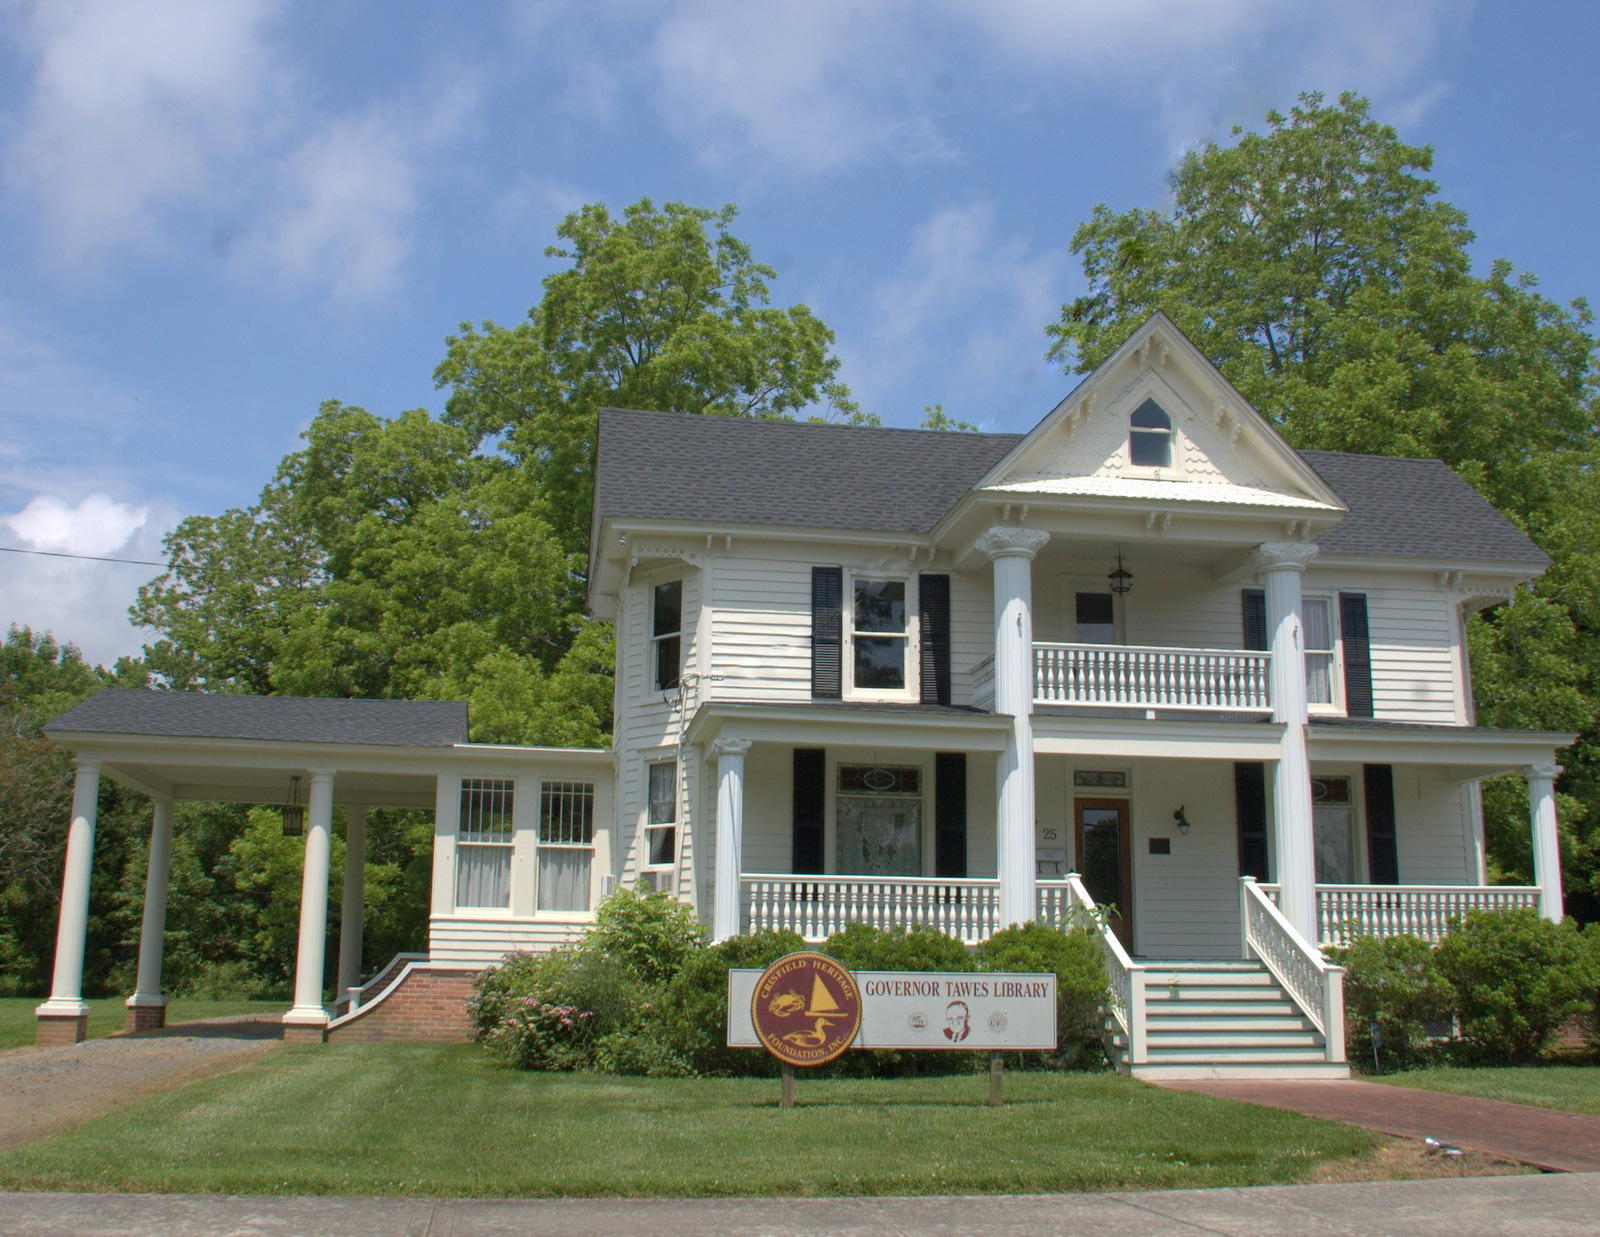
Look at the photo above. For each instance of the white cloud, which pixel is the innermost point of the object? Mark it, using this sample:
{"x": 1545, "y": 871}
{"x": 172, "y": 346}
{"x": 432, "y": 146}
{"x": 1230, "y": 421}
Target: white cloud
{"x": 82, "y": 602}
{"x": 961, "y": 281}
{"x": 133, "y": 109}
{"x": 142, "y": 117}
{"x": 347, "y": 200}
{"x": 814, "y": 85}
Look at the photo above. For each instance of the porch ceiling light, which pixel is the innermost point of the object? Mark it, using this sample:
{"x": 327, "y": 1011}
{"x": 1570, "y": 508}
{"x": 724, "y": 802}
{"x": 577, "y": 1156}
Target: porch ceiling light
{"x": 1183, "y": 821}
{"x": 1121, "y": 579}
{"x": 294, "y": 815}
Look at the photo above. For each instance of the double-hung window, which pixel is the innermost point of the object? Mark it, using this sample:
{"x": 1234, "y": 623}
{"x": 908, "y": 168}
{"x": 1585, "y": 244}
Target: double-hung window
{"x": 484, "y": 844}
{"x": 880, "y": 635}
{"x": 1150, "y": 436}
{"x": 566, "y": 845}
{"x": 666, "y": 633}
{"x": 1317, "y": 624}
{"x": 661, "y": 822}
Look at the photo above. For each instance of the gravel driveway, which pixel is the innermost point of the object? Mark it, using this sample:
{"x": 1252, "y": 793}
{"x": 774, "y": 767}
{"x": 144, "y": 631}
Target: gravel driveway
{"x": 43, "y": 1090}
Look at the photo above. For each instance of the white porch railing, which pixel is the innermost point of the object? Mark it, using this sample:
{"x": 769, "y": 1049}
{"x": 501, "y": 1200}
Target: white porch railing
{"x": 1312, "y": 984}
{"x": 815, "y": 907}
{"x": 1135, "y": 676}
{"x": 1344, "y": 911}
{"x": 1126, "y": 977}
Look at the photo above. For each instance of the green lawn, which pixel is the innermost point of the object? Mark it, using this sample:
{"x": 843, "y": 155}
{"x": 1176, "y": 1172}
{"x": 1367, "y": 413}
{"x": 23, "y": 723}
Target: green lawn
{"x": 108, "y": 1014}
{"x": 1572, "y": 1088}
{"x": 443, "y": 1120}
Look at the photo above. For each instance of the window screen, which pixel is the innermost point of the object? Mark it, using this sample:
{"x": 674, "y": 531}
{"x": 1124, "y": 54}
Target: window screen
{"x": 566, "y": 845}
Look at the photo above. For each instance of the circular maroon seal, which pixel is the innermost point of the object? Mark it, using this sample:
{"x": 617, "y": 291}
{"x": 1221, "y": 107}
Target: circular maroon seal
{"x": 806, "y": 1009}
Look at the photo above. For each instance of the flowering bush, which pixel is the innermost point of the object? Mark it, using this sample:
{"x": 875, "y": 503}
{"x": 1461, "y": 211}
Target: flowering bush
{"x": 550, "y": 1011}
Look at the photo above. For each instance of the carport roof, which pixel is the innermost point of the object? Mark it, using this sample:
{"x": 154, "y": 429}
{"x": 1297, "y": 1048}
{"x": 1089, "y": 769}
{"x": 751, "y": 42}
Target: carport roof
{"x": 200, "y": 715}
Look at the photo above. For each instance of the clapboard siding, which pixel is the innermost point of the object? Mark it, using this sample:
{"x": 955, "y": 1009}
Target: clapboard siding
{"x": 1432, "y": 824}
{"x": 462, "y": 940}
{"x": 1414, "y": 660}
{"x": 971, "y": 629}
{"x": 761, "y": 629}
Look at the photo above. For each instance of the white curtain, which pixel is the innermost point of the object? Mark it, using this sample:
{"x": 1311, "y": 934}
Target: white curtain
{"x": 563, "y": 878}
{"x": 483, "y": 876}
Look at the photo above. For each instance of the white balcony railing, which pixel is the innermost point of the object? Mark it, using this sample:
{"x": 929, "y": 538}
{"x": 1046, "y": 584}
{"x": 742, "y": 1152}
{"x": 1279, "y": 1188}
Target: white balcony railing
{"x": 1344, "y": 911}
{"x": 1136, "y": 676}
{"x": 815, "y": 907}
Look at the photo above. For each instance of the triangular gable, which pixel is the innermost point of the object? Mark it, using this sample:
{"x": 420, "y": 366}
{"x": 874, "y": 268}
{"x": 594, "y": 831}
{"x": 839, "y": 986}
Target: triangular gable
{"x": 1223, "y": 449}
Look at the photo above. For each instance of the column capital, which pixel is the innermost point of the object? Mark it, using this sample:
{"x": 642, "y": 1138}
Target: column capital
{"x": 1283, "y": 555}
{"x": 86, "y": 768}
{"x": 1547, "y": 772}
{"x": 1006, "y": 540}
{"x": 731, "y": 747}
{"x": 323, "y": 775}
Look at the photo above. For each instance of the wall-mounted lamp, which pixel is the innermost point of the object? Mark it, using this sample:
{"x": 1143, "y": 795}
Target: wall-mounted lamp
{"x": 294, "y": 816}
{"x": 1183, "y": 821}
{"x": 1121, "y": 579}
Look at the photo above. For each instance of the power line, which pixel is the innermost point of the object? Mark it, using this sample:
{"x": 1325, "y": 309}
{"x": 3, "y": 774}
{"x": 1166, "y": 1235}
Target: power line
{"x": 93, "y": 558}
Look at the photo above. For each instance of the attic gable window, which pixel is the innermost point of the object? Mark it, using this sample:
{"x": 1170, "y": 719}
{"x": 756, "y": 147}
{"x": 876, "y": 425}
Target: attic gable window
{"x": 1150, "y": 436}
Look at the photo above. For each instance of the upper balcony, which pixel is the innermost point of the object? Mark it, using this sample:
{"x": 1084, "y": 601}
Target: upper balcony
{"x": 1102, "y": 676}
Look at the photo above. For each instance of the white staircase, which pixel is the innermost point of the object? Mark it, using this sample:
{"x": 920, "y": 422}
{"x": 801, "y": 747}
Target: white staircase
{"x": 1222, "y": 1019}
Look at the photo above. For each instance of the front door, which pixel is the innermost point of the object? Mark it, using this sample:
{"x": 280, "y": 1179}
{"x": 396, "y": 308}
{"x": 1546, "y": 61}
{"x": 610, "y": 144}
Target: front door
{"x": 1104, "y": 859}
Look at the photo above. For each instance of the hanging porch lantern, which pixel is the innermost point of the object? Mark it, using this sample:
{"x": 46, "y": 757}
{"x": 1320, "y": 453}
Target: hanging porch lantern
{"x": 294, "y": 815}
{"x": 1121, "y": 579}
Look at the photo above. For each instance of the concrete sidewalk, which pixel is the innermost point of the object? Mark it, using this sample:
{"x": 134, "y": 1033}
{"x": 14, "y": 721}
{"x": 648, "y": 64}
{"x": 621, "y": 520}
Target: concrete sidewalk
{"x": 1554, "y": 1205}
{"x": 1557, "y": 1141}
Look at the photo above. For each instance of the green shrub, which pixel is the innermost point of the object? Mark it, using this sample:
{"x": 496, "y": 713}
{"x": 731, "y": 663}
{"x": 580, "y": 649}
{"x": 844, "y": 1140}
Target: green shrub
{"x": 652, "y": 934}
{"x": 1517, "y": 977}
{"x": 864, "y": 948}
{"x": 549, "y": 1011}
{"x": 694, "y": 1008}
{"x": 1082, "y": 989}
{"x": 1394, "y": 981}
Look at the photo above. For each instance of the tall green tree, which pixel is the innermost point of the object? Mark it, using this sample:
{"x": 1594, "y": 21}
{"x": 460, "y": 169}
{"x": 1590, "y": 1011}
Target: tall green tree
{"x": 1317, "y": 266}
{"x": 418, "y": 557}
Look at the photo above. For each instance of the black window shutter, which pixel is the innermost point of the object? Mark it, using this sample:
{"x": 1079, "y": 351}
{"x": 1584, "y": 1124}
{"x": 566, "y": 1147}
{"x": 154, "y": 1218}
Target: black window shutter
{"x": 827, "y": 632}
{"x": 810, "y": 777}
{"x": 933, "y": 602}
{"x": 1357, "y": 654}
{"x": 1255, "y": 618}
{"x": 1383, "y": 857}
{"x": 1250, "y": 800}
{"x": 950, "y": 814}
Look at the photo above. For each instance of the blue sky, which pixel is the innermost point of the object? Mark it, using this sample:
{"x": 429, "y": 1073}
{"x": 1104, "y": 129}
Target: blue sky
{"x": 218, "y": 213}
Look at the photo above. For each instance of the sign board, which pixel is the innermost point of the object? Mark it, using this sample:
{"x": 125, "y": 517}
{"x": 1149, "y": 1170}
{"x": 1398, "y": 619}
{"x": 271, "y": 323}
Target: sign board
{"x": 912, "y": 1009}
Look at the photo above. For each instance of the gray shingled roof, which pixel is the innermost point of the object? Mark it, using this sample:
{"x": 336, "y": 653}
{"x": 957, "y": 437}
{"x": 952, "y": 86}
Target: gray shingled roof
{"x": 731, "y": 470}
{"x": 675, "y": 465}
{"x": 196, "y": 715}
{"x": 1415, "y": 509}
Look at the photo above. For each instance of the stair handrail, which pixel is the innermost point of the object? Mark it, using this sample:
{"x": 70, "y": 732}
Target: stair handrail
{"x": 1314, "y": 984}
{"x": 1126, "y": 976}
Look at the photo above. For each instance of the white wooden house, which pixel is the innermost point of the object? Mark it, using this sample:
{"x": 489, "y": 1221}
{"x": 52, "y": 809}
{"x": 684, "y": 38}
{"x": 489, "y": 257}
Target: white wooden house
{"x": 1145, "y": 658}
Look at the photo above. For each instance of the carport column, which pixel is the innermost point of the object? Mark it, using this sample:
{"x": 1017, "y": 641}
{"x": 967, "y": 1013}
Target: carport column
{"x": 1281, "y": 563}
{"x": 147, "y": 1008}
{"x": 730, "y": 834}
{"x": 1546, "y": 845}
{"x": 353, "y": 909}
{"x": 1011, "y": 549}
{"x": 308, "y": 1019}
{"x": 64, "y": 1018}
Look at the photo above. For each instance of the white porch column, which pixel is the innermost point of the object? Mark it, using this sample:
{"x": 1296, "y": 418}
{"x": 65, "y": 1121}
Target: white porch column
{"x": 147, "y": 1006}
{"x": 1546, "y": 844}
{"x": 308, "y": 1011}
{"x": 66, "y": 986}
{"x": 1012, "y": 549}
{"x": 1281, "y": 563}
{"x": 730, "y": 834}
{"x": 353, "y": 909}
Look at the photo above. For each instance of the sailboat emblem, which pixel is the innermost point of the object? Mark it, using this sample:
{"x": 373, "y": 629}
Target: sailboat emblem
{"x": 806, "y": 1009}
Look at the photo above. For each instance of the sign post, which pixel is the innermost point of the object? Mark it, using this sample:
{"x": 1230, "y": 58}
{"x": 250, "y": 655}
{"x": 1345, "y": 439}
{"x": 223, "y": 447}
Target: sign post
{"x": 807, "y": 1009}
